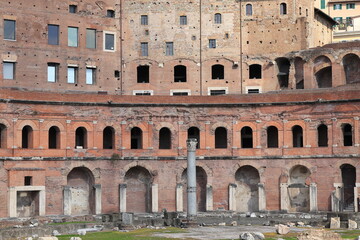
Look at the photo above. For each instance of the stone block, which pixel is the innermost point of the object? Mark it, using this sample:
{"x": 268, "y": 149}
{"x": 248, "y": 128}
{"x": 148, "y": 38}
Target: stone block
{"x": 282, "y": 229}
{"x": 127, "y": 218}
{"x": 334, "y": 222}
{"x": 352, "y": 224}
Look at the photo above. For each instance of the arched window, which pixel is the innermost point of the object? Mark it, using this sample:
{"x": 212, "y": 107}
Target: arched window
{"x": 248, "y": 10}
{"x": 246, "y": 137}
{"x": 297, "y": 133}
{"x": 108, "y": 138}
{"x": 283, "y": 10}
{"x": 272, "y": 137}
{"x": 54, "y": 137}
{"x": 194, "y": 132}
{"x": 255, "y": 71}
{"x": 3, "y": 136}
{"x": 164, "y": 138}
{"x": 143, "y": 75}
{"x": 136, "y": 138}
{"x": 347, "y": 134}
{"x": 217, "y": 71}
{"x": 81, "y": 137}
{"x": 180, "y": 73}
{"x": 220, "y": 137}
{"x": 27, "y": 137}
{"x": 322, "y": 131}
{"x": 217, "y": 18}
{"x": 351, "y": 63}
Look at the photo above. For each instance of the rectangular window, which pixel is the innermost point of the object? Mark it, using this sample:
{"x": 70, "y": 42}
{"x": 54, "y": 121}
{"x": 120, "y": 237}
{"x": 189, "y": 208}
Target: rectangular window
{"x": 109, "y": 41}
{"x": 72, "y": 73}
{"x": 28, "y": 180}
{"x": 337, "y": 6}
{"x": 72, "y": 8}
{"x": 322, "y": 4}
{"x": 253, "y": 90}
{"x": 90, "y": 38}
{"x": 90, "y": 75}
{"x": 143, "y": 92}
{"x": 144, "y": 49}
{"x": 72, "y": 36}
{"x": 350, "y": 6}
{"x": 144, "y": 20}
{"x": 180, "y": 93}
{"x": 53, "y": 34}
{"x": 9, "y": 70}
{"x": 183, "y": 20}
{"x": 52, "y": 72}
{"x": 110, "y": 13}
{"x": 338, "y": 19}
{"x": 212, "y": 43}
{"x": 217, "y": 92}
{"x": 169, "y": 49}
{"x": 9, "y": 29}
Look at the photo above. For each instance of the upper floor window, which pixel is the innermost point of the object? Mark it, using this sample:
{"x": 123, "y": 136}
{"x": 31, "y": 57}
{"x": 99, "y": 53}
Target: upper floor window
{"x": 52, "y": 72}
{"x": 183, "y": 20}
{"x": 90, "y": 75}
{"x": 53, "y": 34}
{"x": 9, "y": 29}
{"x": 143, "y": 74}
{"x": 283, "y": 10}
{"x": 109, "y": 41}
{"x": 350, "y": 6}
{"x": 144, "y": 49}
{"x": 144, "y": 20}
{"x": 72, "y": 74}
{"x": 180, "y": 73}
{"x": 217, "y": 18}
{"x": 8, "y": 70}
{"x": 110, "y": 13}
{"x": 169, "y": 49}
{"x": 212, "y": 43}
{"x": 248, "y": 10}
{"x": 217, "y": 71}
{"x": 73, "y": 36}
{"x": 255, "y": 71}
{"x": 90, "y": 38}
{"x": 322, "y": 4}
{"x": 337, "y": 6}
{"x": 72, "y": 8}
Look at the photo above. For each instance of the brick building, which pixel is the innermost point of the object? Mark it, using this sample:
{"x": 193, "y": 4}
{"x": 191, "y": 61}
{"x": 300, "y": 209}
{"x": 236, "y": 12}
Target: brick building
{"x": 74, "y": 139}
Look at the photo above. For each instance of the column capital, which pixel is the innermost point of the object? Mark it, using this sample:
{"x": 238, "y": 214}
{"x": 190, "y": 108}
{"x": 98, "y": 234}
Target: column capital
{"x": 191, "y": 144}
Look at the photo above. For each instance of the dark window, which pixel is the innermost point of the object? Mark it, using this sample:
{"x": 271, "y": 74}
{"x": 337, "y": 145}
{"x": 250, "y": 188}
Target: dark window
{"x": 180, "y": 94}
{"x": 54, "y": 137}
{"x": 143, "y": 94}
{"x": 81, "y": 137}
{"x": 144, "y": 49}
{"x": 72, "y": 8}
{"x": 180, "y": 73}
{"x": 220, "y": 137}
{"x": 164, "y": 138}
{"x": 246, "y": 137}
{"x": 9, "y": 70}
{"x": 108, "y": 138}
{"x": 28, "y": 181}
{"x": 143, "y": 74}
{"x": 183, "y": 20}
{"x": 110, "y": 13}
{"x": 253, "y": 90}
{"x": 212, "y": 43}
{"x": 144, "y": 20}
{"x": 272, "y": 137}
{"x": 194, "y": 132}
{"x": 217, "y": 71}
{"x": 169, "y": 49}
{"x": 90, "y": 38}
{"x": 297, "y": 133}
{"x": 109, "y": 41}
{"x": 283, "y": 67}
{"x": 3, "y": 136}
{"x": 347, "y": 134}
{"x": 9, "y": 29}
{"x": 136, "y": 138}
{"x": 53, "y": 34}
{"x": 255, "y": 71}
{"x": 248, "y": 10}
{"x": 217, "y": 18}
{"x": 322, "y": 131}
{"x": 27, "y": 137}
{"x": 217, "y": 92}
{"x": 283, "y": 10}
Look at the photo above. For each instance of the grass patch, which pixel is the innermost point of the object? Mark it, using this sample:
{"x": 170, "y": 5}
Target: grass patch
{"x": 348, "y": 234}
{"x": 275, "y": 236}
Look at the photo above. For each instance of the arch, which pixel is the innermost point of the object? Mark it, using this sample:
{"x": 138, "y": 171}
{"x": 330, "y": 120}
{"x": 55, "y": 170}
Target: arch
{"x": 179, "y": 73}
{"x": 299, "y": 72}
{"x": 138, "y": 191}
{"x": 347, "y": 133}
{"x": 272, "y": 134}
{"x": 323, "y": 71}
{"x": 201, "y": 183}
{"x": 283, "y": 9}
{"x": 348, "y": 177}
{"x": 54, "y": 137}
{"x": 246, "y": 137}
{"x": 164, "y": 138}
{"x": 217, "y": 71}
{"x": 217, "y": 18}
{"x": 322, "y": 132}
{"x": 108, "y": 138}
{"x": 298, "y": 189}
{"x": 351, "y": 63}
{"x": 136, "y": 138}
{"x": 247, "y": 179}
{"x": 81, "y": 138}
{"x": 283, "y": 69}
{"x": 194, "y": 132}
{"x": 220, "y": 137}
{"x": 255, "y": 71}
{"x": 3, "y": 136}
{"x": 248, "y": 10}
{"x": 27, "y": 140}
{"x": 297, "y": 136}
{"x": 80, "y": 180}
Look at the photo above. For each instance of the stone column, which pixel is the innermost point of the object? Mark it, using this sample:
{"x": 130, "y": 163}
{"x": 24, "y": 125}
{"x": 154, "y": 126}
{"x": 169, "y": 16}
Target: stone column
{"x": 42, "y": 202}
{"x": 97, "y": 198}
{"x": 154, "y": 198}
{"x": 336, "y": 198}
{"x": 292, "y": 80}
{"x": 179, "y": 198}
{"x": 284, "y": 197}
{"x": 313, "y": 197}
{"x": 122, "y": 192}
{"x": 191, "y": 178}
{"x": 232, "y": 199}
{"x": 356, "y": 192}
{"x": 262, "y": 197}
{"x": 12, "y": 202}
{"x": 67, "y": 200}
{"x": 209, "y": 198}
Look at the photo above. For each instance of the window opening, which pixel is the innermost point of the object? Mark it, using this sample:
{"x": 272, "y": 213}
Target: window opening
{"x": 53, "y": 34}
{"x": 217, "y": 18}
{"x": 3, "y": 136}
{"x": 217, "y": 92}
{"x": 283, "y": 10}
{"x": 169, "y": 49}
{"x": 108, "y": 138}
{"x": 220, "y": 137}
{"x": 246, "y": 137}
{"x": 144, "y": 49}
{"x": 322, "y": 135}
{"x": 297, "y": 133}
{"x": 212, "y": 43}
{"x": 90, "y": 38}
{"x": 136, "y": 138}
{"x": 110, "y": 13}
{"x": 180, "y": 73}
{"x": 272, "y": 137}
{"x": 144, "y": 20}
{"x": 194, "y": 132}
{"x": 183, "y": 20}
{"x": 217, "y": 71}
{"x": 249, "y": 10}
{"x": 72, "y": 8}
{"x": 109, "y": 41}
{"x": 28, "y": 181}
{"x": 9, "y": 70}
{"x": 53, "y": 72}
{"x": 54, "y": 137}
{"x": 143, "y": 74}
{"x": 283, "y": 67}
{"x": 27, "y": 137}
{"x": 255, "y": 71}
{"x": 72, "y": 73}
{"x": 164, "y": 138}
{"x": 9, "y": 29}
{"x": 90, "y": 75}
{"x": 81, "y": 138}
{"x": 347, "y": 135}
{"x": 73, "y": 36}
